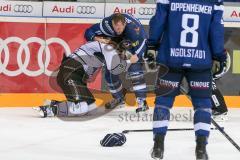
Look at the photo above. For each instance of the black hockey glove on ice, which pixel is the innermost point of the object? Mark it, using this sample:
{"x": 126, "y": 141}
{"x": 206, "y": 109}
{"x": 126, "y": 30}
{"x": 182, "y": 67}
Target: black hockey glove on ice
{"x": 112, "y": 140}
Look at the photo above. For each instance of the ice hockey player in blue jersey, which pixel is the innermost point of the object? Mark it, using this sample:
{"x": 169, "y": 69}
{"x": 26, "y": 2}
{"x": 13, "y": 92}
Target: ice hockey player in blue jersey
{"x": 128, "y": 28}
{"x": 188, "y": 35}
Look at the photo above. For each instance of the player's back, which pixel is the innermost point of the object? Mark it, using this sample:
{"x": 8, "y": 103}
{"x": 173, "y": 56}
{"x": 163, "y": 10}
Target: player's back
{"x": 186, "y": 42}
{"x": 94, "y": 55}
{"x": 134, "y": 27}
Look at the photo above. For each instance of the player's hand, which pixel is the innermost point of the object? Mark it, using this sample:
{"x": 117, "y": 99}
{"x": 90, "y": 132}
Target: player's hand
{"x": 134, "y": 58}
{"x": 222, "y": 70}
{"x": 102, "y": 39}
{"x": 150, "y": 57}
{"x": 224, "y": 67}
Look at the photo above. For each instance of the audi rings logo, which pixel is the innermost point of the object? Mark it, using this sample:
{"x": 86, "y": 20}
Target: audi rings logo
{"x": 86, "y": 9}
{"x": 146, "y": 11}
{"x": 24, "y": 50}
{"x": 23, "y": 8}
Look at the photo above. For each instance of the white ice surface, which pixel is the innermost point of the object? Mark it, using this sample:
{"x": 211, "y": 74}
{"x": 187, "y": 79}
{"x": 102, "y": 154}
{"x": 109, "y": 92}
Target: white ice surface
{"x": 25, "y": 136}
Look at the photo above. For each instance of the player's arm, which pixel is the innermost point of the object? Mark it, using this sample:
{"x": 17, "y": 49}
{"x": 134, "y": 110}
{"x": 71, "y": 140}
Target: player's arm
{"x": 93, "y": 31}
{"x": 157, "y": 26}
{"x": 217, "y": 39}
{"x": 98, "y": 32}
{"x": 138, "y": 43}
{"x": 217, "y": 33}
{"x": 117, "y": 65}
{"x": 158, "y": 22}
{"x": 114, "y": 63}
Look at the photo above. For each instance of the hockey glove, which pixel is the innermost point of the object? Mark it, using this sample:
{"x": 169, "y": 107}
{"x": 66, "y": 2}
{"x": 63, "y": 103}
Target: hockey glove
{"x": 112, "y": 140}
{"x": 224, "y": 66}
{"x": 150, "y": 57}
{"x": 125, "y": 45}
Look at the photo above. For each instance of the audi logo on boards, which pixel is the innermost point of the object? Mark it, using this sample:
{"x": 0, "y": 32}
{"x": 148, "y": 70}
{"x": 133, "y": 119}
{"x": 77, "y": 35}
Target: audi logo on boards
{"x": 86, "y": 9}
{"x": 23, "y": 64}
{"x": 146, "y": 11}
{"x": 23, "y": 8}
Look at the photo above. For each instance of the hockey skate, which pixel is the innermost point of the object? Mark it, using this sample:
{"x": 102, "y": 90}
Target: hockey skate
{"x": 49, "y": 109}
{"x": 158, "y": 148}
{"x": 115, "y": 103}
{"x": 142, "y": 105}
{"x": 200, "y": 152}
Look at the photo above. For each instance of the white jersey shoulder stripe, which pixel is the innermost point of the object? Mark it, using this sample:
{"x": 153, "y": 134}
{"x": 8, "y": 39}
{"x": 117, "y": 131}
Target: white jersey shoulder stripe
{"x": 162, "y": 1}
{"x": 104, "y": 32}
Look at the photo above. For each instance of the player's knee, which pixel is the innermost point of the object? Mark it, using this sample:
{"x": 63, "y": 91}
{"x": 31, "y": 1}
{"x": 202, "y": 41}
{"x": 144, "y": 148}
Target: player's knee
{"x": 161, "y": 113}
{"x": 203, "y": 110}
{"x": 62, "y": 76}
{"x": 166, "y": 101}
{"x": 201, "y": 103}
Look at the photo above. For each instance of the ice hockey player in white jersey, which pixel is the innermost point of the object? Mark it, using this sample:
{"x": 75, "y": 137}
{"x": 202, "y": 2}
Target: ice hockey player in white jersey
{"x": 74, "y": 72}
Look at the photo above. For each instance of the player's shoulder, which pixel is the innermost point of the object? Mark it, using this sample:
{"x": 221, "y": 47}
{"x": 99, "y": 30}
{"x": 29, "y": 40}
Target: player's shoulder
{"x": 213, "y": 1}
{"x": 129, "y": 18}
{"x": 219, "y": 2}
{"x": 107, "y": 19}
{"x": 163, "y": 1}
{"x": 106, "y": 26}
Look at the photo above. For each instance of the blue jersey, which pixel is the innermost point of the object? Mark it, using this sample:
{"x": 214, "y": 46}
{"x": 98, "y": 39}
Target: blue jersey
{"x": 189, "y": 33}
{"x": 134, "y": 32}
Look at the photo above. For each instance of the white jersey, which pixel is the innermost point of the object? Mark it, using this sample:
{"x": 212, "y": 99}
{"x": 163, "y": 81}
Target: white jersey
{"x": 93, "y": 55}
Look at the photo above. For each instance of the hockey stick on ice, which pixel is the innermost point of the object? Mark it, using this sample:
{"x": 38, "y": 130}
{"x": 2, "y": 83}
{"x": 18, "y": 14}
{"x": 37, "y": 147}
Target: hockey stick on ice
{"x": 226, "y": 135}
{"x": 173, "y": 129}
{"x": 183, "y": 90}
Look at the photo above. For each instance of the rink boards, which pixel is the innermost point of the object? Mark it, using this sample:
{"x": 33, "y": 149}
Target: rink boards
{"x": 32, "y": 46}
